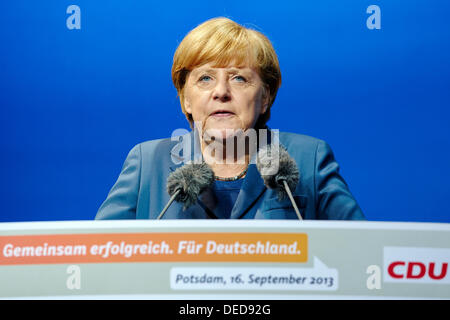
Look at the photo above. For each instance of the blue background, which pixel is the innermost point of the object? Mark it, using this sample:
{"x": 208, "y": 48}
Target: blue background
{"x": 74, "y": 102}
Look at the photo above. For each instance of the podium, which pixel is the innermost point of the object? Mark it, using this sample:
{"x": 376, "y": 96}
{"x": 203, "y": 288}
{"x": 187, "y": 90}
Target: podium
{"x": 224, "y": 259}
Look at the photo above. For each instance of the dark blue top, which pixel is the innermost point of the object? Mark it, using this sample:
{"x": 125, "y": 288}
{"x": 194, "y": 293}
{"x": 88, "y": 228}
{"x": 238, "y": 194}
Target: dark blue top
{"x": 226, "y": 193}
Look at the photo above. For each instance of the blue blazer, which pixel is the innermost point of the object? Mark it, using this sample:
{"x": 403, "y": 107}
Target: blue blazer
{"x": 140, "y": 191}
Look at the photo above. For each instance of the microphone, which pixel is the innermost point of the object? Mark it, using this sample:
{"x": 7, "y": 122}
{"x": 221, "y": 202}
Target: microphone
{"x": 285, "y": 178}
{"x": 186, "y": 183}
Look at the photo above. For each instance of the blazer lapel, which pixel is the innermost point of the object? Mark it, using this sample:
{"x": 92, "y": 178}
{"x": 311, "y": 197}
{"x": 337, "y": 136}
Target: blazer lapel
{"x": 252, "y": 188}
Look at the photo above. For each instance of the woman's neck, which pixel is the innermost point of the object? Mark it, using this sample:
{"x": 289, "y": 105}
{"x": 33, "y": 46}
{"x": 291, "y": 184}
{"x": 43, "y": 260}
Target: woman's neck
{"x": 225, "y": 162}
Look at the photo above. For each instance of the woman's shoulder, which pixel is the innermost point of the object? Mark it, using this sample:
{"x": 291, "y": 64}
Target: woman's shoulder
{"x": 152, "y": 147}
{"x": 294, "y": 140}
{"x": 162, "y": 142}
{"x": 149, "y": 144}
{"x": 166, "y": 147}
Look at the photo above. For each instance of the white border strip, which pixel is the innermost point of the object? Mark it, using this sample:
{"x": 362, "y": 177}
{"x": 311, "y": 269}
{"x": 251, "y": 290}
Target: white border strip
{"x": 222, "y": 224}
{"x": 219, "y": 297}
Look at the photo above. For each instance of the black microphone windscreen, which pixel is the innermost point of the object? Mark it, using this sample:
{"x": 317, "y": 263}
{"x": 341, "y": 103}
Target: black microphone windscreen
{"x": 275, "y": 165}
{"x": 191, "y": 179}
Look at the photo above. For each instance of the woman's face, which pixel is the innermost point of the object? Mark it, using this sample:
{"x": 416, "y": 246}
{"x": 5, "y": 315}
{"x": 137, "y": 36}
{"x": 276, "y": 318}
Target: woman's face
{"x": 224, "y": 98}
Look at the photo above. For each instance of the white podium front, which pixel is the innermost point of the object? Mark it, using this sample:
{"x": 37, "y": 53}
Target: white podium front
{"x": 224, "y": 259}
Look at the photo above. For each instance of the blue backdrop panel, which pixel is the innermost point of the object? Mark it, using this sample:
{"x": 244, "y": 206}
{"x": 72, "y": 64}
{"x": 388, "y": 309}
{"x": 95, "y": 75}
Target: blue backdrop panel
{"x": 73, "y": 102}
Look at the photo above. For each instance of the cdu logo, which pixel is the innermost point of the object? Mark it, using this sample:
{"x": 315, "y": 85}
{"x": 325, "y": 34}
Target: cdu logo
{"x": 416, "y": 265}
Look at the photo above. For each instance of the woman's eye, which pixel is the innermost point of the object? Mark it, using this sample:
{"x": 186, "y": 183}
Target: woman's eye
{"x": 240, "y": 79}
{"x": 205, "y": 78}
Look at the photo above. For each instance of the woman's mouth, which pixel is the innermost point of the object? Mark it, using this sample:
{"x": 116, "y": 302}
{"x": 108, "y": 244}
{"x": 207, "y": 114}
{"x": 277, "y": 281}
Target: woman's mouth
{"x": 222, "y": 113}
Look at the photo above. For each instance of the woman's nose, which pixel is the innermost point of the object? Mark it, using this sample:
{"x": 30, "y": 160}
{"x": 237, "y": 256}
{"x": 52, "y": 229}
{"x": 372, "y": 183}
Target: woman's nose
{"x": 222, "y": 90}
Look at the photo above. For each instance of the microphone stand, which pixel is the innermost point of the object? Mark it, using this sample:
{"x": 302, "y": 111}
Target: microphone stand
{"x": 172, "y": 198}
{"x": 288, "y": 191}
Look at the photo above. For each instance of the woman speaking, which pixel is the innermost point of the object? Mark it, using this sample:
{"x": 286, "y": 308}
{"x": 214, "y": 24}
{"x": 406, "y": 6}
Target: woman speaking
{"x": 231, "y": 165}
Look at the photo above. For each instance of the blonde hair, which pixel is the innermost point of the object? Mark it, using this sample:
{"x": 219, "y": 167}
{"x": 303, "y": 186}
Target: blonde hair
{"x": 223, "y": 41}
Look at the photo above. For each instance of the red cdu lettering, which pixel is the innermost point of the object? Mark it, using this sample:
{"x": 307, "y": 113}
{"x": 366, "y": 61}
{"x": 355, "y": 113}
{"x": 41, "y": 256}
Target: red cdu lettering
{"x": 391, "y": 269}
{"x": 443, "y": 271}
{"x": 422, "y": 270}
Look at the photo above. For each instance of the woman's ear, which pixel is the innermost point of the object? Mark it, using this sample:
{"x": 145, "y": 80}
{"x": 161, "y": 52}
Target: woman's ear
{"x": 187, "y": 107}
{"x": 186, "y": 103}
